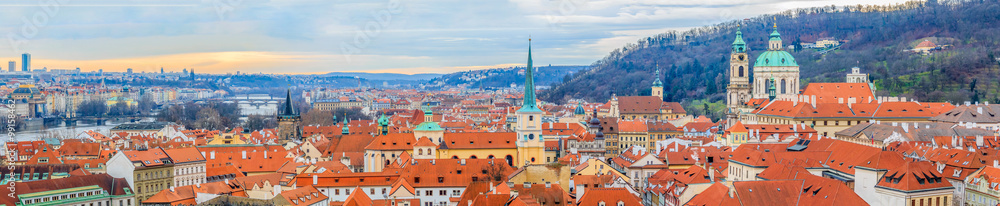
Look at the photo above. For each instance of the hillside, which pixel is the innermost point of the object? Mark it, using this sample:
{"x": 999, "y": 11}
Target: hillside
{"x": 695, "y": 61}
{"x": 504, "y": 77}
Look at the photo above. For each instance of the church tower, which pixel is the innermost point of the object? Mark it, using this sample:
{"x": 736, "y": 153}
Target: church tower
{"x": 657, "y": 84}
{"x": 530, "y": 143}
{"x": 289, "y": 121}
{"x": 738, "y": 90}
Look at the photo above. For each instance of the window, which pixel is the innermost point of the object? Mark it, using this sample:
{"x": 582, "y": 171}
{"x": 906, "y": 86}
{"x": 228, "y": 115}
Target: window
{"x": 531, "y": 118}
{"x": 336, "y": 191}
{"x": 371, "y": 191}
{"x": 443, "y": 192}
{"x": 429, "y": 193}
{"x": 440, "y": 179}
{"x": 347, "y": 191}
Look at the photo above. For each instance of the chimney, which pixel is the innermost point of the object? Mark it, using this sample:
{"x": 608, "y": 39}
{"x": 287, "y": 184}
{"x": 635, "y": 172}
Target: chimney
{"x": 711, "y": 173}
{"x": 979, "y": 140}
{"x": 548, "y": 185}
{"x": 813, "y": 101}
{"x": 851, "y": 101}
{"x": 996, "y": 163}
{"x": 527, "y": 185}
{"x": 462, "y": 161}
{"x": 795, "y": 101}
{"x": 315, "y": 179}
{"x": 212, "y": 155}
{"x": 840, "y": 100}
{"x": 244, "y": 154}
{"x": 344, "y": 159}
{"x": 979, "y": 110}
{"x": 227, "y": 181}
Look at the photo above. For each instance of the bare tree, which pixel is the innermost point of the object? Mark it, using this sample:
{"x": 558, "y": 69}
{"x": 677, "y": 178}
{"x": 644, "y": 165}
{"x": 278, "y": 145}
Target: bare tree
{"x": 496, "y": 170}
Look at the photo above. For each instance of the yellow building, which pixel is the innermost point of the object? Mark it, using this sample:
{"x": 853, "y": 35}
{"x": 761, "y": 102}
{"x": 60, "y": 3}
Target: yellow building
{"x": 114, "y": 101}
{"x": 598, "y": 167}
{"x": 226, "y": 139}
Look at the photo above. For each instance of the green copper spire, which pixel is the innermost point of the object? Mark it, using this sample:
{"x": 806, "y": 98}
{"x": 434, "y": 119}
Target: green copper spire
{"x": 739, "y": 46}
{"x": 346, "y": 130}
{"x": 775, "y": 36}
{"x": 529, "y": 86}
{"x": 656, "y": 81}
{"x": 771, "y": 90}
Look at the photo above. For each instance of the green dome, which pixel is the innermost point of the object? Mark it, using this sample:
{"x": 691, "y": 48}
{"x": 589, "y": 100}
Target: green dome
{"x": 383, "y": 121}
{"x": 775, "y": 59}
{"x": 579, "y": 109}
{"x": 428, "y": 126}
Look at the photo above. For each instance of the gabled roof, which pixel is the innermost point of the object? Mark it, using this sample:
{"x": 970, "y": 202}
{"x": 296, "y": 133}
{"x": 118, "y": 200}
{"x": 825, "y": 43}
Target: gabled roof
{"x": 358, "y": 198}
{"x": 913, "y": 176}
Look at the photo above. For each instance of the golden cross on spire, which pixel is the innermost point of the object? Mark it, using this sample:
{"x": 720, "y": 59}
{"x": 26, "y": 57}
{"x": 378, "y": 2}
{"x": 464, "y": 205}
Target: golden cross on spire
{"x": 775, "y": 22}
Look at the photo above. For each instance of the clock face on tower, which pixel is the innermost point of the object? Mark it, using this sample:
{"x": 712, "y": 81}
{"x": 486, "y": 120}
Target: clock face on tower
{"x": 741, "y": 57}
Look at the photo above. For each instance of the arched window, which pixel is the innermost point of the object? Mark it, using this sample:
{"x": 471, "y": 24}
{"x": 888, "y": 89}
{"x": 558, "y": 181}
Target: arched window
{"x": 741, "y": 71}
{"x": 783, "y": 86}
{"x": 454, "y": 157}
{"x": 473, "y": 157}
{"x": 510, "y": 160}
{"x": 420, "y": 151}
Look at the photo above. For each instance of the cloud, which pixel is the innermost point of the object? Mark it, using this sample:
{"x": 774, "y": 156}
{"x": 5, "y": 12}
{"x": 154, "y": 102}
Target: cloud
{"x": 307, "y": 36}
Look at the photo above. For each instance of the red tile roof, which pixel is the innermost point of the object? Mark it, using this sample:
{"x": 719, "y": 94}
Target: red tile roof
{"x": 610, "y": 196}
{"x": 913, "y": 176}
{"x": 481, "y": 140}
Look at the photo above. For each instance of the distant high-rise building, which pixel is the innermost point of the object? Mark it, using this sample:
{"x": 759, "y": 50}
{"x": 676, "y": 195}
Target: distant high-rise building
{"x": 12, "y": 66}
{"x": 161, "y": 70}
{"x": 129, "y": 70}
{"x": 26, "y": 62}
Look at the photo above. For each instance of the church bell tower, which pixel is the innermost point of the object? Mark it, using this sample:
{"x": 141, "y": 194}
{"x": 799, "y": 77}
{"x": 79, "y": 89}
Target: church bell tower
{"x": 530, "y": 143}
{"x": 738, "y": 90}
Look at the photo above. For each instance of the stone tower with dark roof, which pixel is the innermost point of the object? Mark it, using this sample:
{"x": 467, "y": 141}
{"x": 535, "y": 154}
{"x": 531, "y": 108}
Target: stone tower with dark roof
{"x": 289, "y": 121}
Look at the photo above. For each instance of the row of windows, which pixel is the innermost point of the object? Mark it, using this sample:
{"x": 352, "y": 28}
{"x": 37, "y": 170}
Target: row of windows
{"x": 189, "y": 170}
{"x": 428, "y": 193}
{"x": 152, "y": 175}
{"x": 60, "y": 197}
{"x": 930, "y": 201}
{"x": 153, "y": 187}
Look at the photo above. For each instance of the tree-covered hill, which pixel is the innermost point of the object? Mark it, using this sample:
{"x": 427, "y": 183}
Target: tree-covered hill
{"x": 876, "y": 38}
{"x": 504, "y": 77}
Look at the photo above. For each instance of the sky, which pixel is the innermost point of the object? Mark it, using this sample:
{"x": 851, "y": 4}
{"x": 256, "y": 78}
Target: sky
{"x": 321, "y": 36}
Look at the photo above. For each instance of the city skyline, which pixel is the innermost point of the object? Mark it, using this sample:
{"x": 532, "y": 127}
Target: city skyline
{"x": 307, "y": 37}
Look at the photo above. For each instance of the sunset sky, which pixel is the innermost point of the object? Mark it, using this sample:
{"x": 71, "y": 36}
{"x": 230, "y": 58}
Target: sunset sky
{"x": 320, "y": 36}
